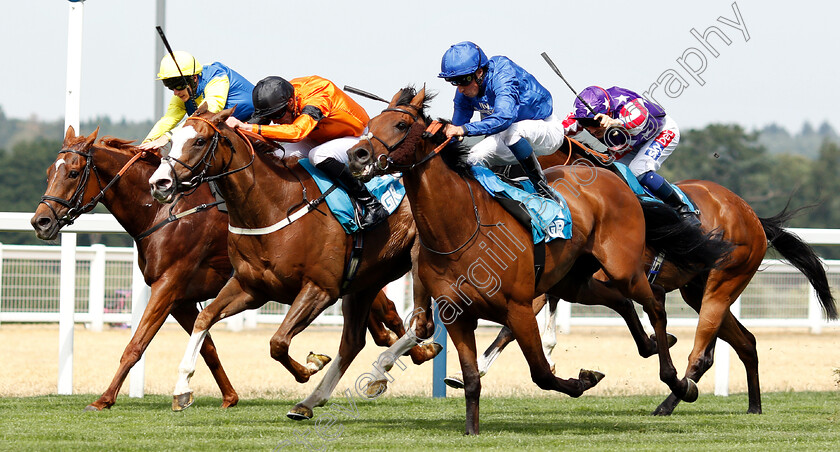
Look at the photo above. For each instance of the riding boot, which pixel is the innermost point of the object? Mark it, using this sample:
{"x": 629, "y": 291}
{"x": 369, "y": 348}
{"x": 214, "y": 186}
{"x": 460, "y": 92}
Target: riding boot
{"x": 663, "y": 190}
{"x": 674, "y": 200}
{"x": 535, "y": 174}
{"x": 368, "y": 209}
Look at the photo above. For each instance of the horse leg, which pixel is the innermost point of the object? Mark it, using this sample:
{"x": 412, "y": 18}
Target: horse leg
{"x": 158, "y": 307}
{"x": 232, "y": 299}
{"x": 186, "y": 315}
{"x": 505, "y": 337}
{"x": 421, "y": 316}
{"x": 384, "y": 312}
{"x": 549, "y": 332}
{"x": 355, "y": 309}
{"x": 462, "y": 332}
{"x": 309, "y": 304}
{"x": 632, "y": 283}
{"x": 523, "y": 326}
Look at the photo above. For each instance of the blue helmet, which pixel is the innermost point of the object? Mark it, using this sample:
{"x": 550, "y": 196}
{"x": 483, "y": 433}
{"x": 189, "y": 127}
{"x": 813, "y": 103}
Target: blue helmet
{"x": 462, "y": 59}
{"x": 597, "y": 98}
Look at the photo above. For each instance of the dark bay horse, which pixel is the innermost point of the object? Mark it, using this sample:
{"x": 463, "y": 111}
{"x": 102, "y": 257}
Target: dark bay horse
{"x": 301, "y": 262}
{"x": 181, "y": 266}
{"x": 477, "y": 260}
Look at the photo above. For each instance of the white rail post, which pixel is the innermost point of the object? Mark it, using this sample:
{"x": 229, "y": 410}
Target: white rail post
{"x": 74, "y": 64}
{"x": 139, "y": 298}
{"x": 815, "y": 318}
{"x": 96, "y": 291}
{"x": 395, "y": 290}
{"x": 66, "y": 311}
{"x": 722, "y": 357}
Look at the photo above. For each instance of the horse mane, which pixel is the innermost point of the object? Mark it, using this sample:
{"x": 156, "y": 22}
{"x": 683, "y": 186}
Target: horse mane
{"x": 455, "y": 153}
{"x": 128, "y": 146}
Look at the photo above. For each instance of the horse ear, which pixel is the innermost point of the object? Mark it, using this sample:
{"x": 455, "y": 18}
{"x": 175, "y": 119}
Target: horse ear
{"x": 71, "y": 133}
{"x": 201, "y": 109}
{"x": 222, "y": 116}
{"x": 91, "y": 138}
{"x": 394, "y": 99}
{"x": 418, "y": 100}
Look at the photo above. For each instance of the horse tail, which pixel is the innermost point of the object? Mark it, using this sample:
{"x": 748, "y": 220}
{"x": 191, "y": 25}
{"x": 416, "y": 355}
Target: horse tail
{"x": 684, "y": 245}
{"x": 800, "y": 255}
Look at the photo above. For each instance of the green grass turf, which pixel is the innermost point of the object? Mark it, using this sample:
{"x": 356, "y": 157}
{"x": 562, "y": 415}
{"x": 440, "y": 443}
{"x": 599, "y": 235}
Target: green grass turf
{"x": 792, "y": 421}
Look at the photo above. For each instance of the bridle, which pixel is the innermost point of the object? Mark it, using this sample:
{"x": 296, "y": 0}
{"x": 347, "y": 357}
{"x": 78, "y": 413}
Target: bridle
{"x": 75, "y": 209}
{"x": 207, "y": 159}
{"x": 386, "y": 162}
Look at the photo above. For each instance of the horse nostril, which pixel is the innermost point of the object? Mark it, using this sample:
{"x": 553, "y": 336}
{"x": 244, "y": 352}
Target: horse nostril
{"x": 43, "y": 222}
{"x": 162, "y": 184}
{"x": 362, "y": 154}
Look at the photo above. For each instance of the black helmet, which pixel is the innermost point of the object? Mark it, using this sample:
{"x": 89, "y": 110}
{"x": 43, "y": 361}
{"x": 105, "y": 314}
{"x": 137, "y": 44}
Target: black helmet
{"x": 270, "y": 95}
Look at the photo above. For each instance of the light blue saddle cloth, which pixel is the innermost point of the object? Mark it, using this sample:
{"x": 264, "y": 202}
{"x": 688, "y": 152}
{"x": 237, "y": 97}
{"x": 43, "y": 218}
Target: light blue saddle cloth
{"x": 387, "y": 189}
{"x": 644, "y": 194}
{"x": 549, "y": 220}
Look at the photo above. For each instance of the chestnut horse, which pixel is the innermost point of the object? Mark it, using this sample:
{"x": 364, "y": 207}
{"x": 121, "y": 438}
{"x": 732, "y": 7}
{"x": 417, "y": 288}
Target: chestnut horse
{"x": 477, "y": 260}
{"x": 711, "y": 293}
{"x": 181, "y": 267}
{"x": 300, "y": 262}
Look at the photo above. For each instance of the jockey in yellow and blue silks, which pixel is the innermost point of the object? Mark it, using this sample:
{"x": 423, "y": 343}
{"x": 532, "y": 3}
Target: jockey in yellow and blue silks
{"x": 516, "y": 111}
{"x": 216, "y": 84}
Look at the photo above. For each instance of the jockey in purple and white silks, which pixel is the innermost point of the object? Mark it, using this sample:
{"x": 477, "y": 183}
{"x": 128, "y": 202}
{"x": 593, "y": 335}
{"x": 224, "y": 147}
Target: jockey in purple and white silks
{"x": 653, "y": 135}
{"x": 516, "y": 111}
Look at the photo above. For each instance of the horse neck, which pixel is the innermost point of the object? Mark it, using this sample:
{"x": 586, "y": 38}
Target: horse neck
{"x": 129, "y": 199}
{"x": 260, "y": 194}
{"x": 441, "y": 204}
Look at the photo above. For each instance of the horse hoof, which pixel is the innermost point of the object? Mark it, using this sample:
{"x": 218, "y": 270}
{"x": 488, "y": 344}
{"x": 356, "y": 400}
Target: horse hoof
{"x": 455, "y": 381}
{"x": 691, "y": 393}
{"x": 92, "y": 408}
{"x": 661, "y": 411}
{"x": 436, "y": 348}
{"x": 316, "y": 362}
{"x": 376, "y": 388}
{"x": 182, "y": 402}
{"x": 671, "y": 340}
{"x": 300, "y": 413}
{"x": 590, "y": 377}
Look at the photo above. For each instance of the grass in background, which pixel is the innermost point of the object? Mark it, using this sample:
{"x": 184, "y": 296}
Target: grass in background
{"x": 792, "y": 421}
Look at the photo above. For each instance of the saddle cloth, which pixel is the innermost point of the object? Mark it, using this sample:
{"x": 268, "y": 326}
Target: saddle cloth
{"x": 549, "y": 220}
{"x": 642, "y": 193}
{"x": 387, "y": 189}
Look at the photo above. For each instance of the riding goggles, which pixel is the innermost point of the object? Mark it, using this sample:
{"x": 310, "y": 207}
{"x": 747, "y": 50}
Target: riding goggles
{"x": 175, "y": 83}
{"x": 461, "y": 80}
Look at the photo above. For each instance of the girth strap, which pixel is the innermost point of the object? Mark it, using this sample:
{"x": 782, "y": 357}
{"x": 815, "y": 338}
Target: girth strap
{"x": 352, "y": 266}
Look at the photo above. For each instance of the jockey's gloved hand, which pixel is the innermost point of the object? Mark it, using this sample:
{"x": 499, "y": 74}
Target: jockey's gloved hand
{"x": 606, "y": 121}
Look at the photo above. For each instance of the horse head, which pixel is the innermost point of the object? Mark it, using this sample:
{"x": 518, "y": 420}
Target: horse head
{"x": 67, "y": 185}
{"x": 201, "y": 151}
{"x": 391, "y": 142}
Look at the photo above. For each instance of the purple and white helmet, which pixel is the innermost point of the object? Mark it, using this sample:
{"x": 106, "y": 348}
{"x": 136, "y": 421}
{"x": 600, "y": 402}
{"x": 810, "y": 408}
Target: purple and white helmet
{"x": 598, "y": 100}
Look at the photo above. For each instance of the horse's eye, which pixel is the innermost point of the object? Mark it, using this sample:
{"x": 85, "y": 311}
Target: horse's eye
{"x": 73, "y": 174}
{"x": 200, "y": 142}
{"x": 402, "y": 126}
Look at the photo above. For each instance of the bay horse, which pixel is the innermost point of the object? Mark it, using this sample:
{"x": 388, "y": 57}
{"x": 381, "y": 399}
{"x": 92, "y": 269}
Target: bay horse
{"x": 181, "y": 266}
{"x": 301, "y": 263}
{"x": 711, "y": 293}
{"x": 477, "y": 260}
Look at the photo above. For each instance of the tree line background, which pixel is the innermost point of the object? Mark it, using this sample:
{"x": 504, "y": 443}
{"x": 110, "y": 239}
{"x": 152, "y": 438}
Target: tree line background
{"x": 767, "y": 167}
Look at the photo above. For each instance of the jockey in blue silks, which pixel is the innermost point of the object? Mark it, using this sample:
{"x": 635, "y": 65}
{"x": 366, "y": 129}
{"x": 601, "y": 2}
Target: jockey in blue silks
{"x": 653, "y": 135}
{"x": 516, "y": 111}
